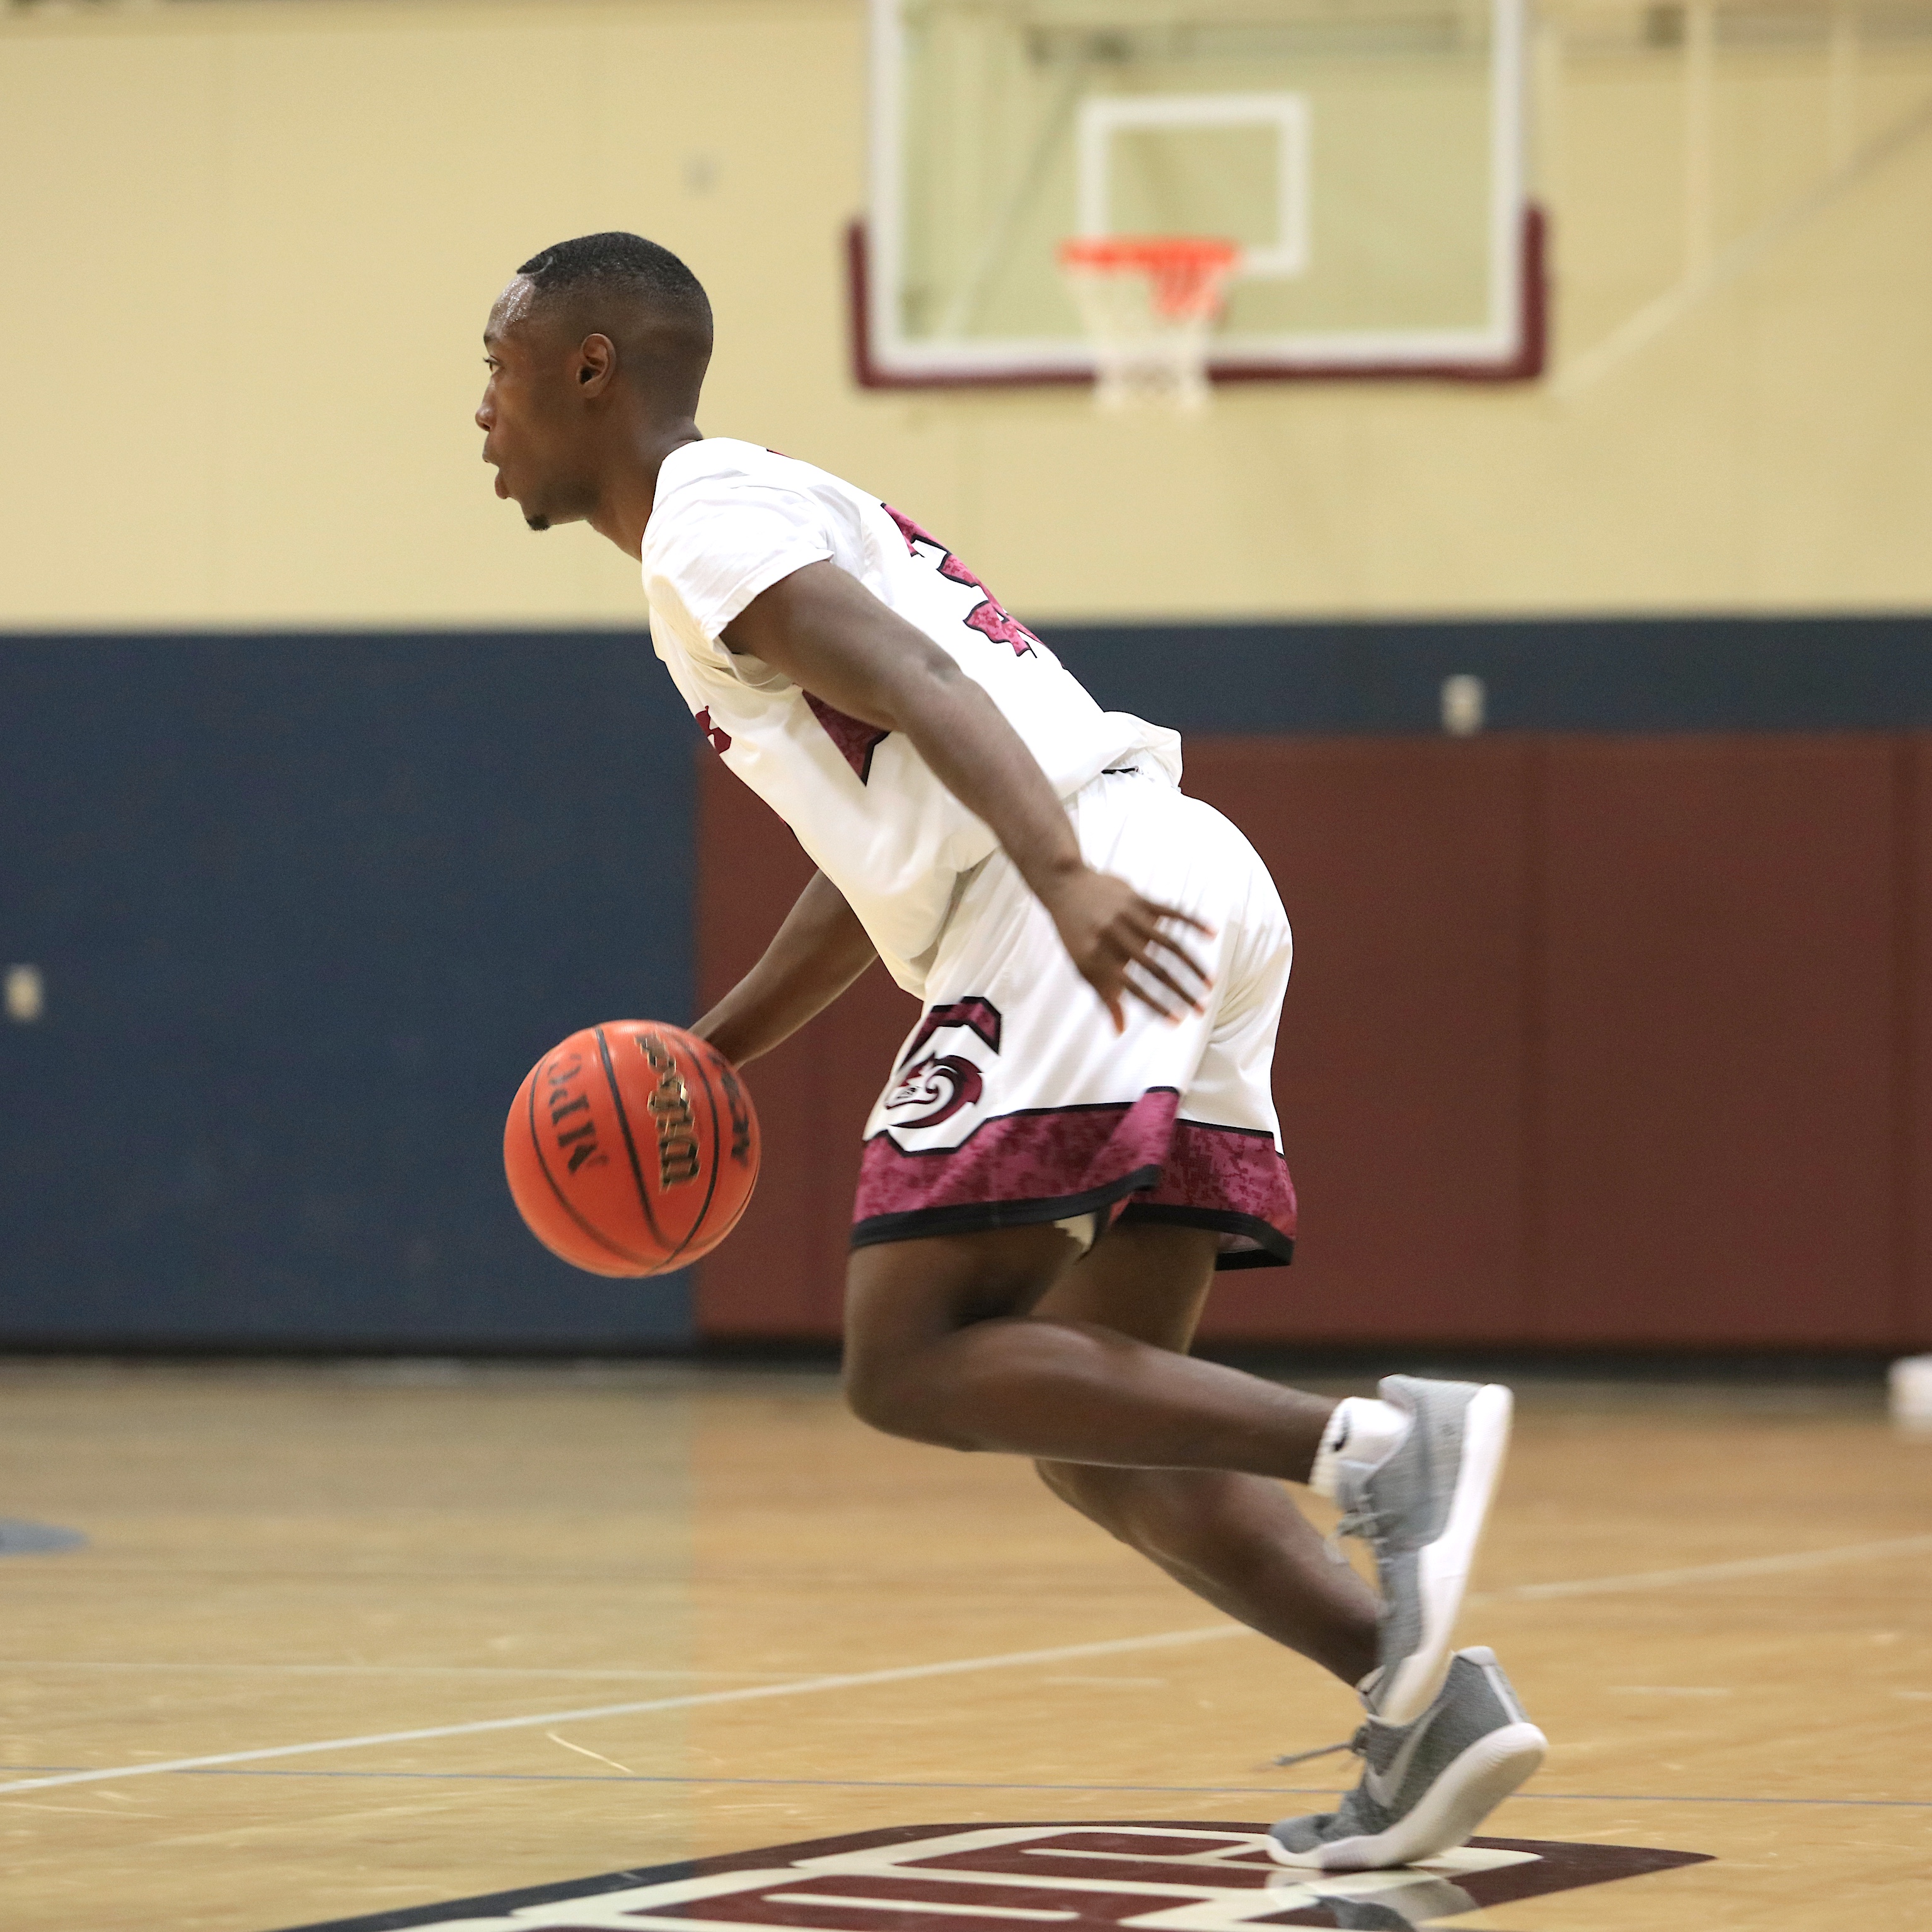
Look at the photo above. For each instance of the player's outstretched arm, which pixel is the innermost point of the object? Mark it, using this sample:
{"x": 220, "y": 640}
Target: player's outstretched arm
{"x": 818, "y": 951}
{"x": 831, "y": 636}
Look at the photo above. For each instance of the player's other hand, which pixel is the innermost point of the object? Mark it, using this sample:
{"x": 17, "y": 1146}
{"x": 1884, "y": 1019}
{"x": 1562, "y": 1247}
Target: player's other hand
{"x": 1123, "y": 943}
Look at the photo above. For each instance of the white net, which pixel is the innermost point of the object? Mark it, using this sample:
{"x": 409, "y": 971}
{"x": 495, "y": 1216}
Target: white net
{"x": 1149, "y": 304}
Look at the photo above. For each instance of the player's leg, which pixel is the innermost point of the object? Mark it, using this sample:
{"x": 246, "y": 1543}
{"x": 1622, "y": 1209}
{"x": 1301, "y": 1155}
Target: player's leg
{"x": 939, "y": 1347}
{"x": 943, "y": 1345}
{"x": 1236, "y": 1540}
{"x": 1239, "y": 1542}
{"x": 1004, "y": 1104}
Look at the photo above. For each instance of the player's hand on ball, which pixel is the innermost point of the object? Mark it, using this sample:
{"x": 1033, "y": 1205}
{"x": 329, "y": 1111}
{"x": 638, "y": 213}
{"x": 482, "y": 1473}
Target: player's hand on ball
{"x": 1122, "y": 943}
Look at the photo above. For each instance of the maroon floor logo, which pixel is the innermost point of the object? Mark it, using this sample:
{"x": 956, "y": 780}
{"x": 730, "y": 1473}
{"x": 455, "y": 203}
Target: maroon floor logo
{"x": 1167, "y": 1877}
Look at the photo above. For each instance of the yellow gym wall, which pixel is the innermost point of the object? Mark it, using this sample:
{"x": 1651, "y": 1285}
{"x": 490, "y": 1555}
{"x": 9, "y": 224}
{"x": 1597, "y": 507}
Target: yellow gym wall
{"x": 249, "y": 247}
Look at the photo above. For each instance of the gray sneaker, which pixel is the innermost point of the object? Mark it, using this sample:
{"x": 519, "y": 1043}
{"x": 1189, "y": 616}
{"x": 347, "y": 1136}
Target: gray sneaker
{"x": 1421, "y": 1510}
{"x": 1425, "y": 1785}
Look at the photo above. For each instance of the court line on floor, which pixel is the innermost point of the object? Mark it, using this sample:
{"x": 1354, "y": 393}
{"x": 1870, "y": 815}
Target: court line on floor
{"x": 392, "y": 1669}
{"x": 1706, "y": 1573}
{"x": 961, "y": 1784}
{"x": 1749, "y": 1566}
{"x": 741, "y": 1693}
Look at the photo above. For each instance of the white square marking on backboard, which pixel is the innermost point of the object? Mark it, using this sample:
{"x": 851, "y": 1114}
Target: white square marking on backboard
{"x": 1286, "y": 114}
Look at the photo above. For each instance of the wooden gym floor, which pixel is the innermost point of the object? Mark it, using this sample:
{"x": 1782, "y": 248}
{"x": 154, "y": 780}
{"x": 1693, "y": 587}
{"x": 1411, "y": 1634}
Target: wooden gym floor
{"x": 1718, "y": 1604}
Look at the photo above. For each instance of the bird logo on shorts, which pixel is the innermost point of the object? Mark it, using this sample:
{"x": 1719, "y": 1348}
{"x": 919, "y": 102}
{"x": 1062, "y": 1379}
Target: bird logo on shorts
{"x": 943, "y": 1082}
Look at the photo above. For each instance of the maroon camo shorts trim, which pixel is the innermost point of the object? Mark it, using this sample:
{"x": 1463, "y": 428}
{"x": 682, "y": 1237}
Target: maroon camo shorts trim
{"x": 1130, "y": 1160}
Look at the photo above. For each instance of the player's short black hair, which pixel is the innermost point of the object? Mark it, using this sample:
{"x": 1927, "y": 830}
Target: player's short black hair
{"x": 619, "y": 263}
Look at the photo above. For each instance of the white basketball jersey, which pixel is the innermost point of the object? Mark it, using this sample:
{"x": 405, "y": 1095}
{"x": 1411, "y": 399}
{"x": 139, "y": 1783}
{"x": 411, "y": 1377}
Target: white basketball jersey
{"x": 731, "y": 519}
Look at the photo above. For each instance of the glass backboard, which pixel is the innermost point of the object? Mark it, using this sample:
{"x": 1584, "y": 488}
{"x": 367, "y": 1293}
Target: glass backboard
{"x": 1366, "y": 155}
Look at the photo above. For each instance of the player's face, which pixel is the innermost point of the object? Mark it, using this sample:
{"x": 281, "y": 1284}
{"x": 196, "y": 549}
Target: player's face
{"x": 532, "y": 423}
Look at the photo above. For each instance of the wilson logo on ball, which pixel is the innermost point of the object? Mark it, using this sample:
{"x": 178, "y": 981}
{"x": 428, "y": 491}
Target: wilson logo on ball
{"x": 631, "y": 1149}
{"x": 670, "y": 1104}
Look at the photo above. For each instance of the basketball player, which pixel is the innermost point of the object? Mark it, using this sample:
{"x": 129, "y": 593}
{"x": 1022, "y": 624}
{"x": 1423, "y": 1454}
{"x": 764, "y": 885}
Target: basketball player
{"x": 1079, "y": 1131}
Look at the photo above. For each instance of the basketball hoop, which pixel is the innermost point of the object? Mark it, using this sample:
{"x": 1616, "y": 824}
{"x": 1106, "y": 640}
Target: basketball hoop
{"x": 1149, "y": 303}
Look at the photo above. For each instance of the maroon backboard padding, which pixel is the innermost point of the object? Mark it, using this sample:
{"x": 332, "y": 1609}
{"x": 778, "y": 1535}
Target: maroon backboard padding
{"x": 1525, "y": 366}
{"x": 1591, "y": 1041}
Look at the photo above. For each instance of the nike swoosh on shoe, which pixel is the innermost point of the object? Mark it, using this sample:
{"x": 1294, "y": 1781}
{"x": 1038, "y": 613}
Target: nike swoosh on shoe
{"x": 1385, "y": 1786}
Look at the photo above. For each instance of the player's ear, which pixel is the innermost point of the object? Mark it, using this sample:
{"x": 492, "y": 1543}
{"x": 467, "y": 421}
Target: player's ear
{"x": 596, "y": 365}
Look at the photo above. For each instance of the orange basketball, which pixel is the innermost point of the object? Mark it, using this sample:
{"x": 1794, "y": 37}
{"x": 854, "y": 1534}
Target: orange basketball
{"x": 631, "y": 1148}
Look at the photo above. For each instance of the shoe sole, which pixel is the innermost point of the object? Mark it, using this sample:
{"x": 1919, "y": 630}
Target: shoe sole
{"x": 1442, "y": 1568}
{"x": 1446, "y": 1815}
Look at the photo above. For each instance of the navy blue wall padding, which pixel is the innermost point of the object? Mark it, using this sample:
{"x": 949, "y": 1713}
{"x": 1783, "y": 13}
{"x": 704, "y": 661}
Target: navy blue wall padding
{"x": 307, "y": 909}
{"x": 1543, "y": 674}
{"x": 309, "y": 906}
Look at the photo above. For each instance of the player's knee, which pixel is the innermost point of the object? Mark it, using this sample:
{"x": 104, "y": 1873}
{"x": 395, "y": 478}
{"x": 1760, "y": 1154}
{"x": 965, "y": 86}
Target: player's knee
{"x": 875, "y": 1397}
{"x": 890, "y": 1394}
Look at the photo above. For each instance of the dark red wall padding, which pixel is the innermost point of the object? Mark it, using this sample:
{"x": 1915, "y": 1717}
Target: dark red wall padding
{"x": 1621, "y": 1041}
{"x": 1401, "y": 1068}
{"x": 1718, "y": 1114}
{"x": 782, "y": 1271}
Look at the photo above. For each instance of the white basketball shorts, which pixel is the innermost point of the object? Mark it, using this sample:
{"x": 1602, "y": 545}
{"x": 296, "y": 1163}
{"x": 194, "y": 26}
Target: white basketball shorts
{"x": 1014, "y": 1101}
